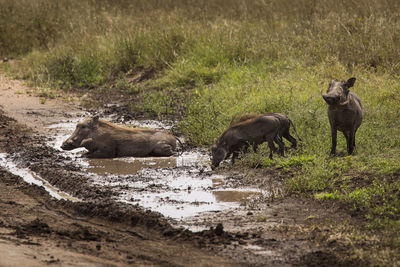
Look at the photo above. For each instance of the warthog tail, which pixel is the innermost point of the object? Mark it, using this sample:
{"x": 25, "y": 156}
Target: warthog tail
{"x": 294, "y": 128}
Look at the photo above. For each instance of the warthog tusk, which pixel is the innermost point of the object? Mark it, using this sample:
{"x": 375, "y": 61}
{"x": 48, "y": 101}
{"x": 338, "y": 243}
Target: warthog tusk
{"x": 322, "y": 92}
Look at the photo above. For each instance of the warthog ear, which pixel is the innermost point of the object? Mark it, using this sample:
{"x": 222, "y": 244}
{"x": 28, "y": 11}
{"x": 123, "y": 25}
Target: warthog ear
{"x": 350, "y": 82}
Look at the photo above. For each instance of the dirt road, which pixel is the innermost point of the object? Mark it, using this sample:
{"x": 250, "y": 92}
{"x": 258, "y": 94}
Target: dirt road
{"x": 36, "y": 229}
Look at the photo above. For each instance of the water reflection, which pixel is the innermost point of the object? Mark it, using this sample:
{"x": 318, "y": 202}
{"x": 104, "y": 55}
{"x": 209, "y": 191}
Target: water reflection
{"x": 127, "y": 166}
{"x": 234, "y": 196}
{"x": 218, "y": 181}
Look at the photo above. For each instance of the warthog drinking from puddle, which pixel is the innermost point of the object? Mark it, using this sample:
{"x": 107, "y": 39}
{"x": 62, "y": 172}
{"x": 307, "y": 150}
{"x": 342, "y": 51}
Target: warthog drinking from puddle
{"x": 239, "y": 136}
{"x": 344, "y": 112}
{"x": 284, "y": 129}
{"x": 107, "y": 140}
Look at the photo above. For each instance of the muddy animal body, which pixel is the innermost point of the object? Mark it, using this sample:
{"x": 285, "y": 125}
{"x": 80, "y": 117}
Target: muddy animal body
{"x": 344, "y": 112}
{"x": 284, "y": 128}
{"x": 239, "y": 136}
{"x": 103, "y": 139}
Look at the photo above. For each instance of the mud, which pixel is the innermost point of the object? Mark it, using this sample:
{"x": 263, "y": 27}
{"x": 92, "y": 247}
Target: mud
{"x": 167, "y": 211}
{"x": 31, "y": 178}
{"x": 179, "y": 186}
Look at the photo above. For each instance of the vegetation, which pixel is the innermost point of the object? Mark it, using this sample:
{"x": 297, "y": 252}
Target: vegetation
{"x": 216, "y": 59}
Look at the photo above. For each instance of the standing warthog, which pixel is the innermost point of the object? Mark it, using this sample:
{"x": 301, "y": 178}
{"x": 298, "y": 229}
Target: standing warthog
{"x": 239, "y": 136}
{"x": 344, "y": 112}
{"x": 107, "y": 140}
{"x": 284, "y": 129}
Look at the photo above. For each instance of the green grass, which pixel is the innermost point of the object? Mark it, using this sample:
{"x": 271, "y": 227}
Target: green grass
{"x": 212, "y": 60}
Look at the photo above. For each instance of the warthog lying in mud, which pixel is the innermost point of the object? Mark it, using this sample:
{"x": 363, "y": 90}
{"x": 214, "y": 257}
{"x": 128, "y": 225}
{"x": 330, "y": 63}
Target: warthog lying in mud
{"x": 284, "y": 129}
{"x": 107, "y": 140}
{"x": 239, "y": 136}
{"x": 344, "y": 112}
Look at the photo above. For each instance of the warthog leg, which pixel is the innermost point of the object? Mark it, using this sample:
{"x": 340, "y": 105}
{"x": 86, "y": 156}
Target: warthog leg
{"x": 100, "y": 154}
{"x": 281, "y": 145}
{"x": 350, "y": 142}
{"x": 163, "y": 149}
{"x": 271, "y": 148}
{"x": 97, "y": 151}
{"x": 334, "y": 140}
{"x": 88, "y": 144}
{"x": 349, "y": 135}
{"x": 242, "y": 146}
{"x": 291, "y": 139}
{"x": 235, "y": 155}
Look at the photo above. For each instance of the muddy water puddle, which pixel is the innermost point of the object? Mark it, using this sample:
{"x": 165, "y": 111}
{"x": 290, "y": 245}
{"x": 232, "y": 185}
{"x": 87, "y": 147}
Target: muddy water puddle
{"x": 33, "y": 178}
{"x": 179, "y": 187}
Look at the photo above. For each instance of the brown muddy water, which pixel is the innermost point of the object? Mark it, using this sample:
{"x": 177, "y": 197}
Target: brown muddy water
{"x": 179, "y": 187}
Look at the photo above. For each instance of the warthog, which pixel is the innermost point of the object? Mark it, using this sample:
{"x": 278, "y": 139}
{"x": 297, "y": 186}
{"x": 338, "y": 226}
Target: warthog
{"x": 104, "y": 139}
{"x": 344, "y": 112}
{"x": 284, "y": 129}
{"x": 239, "y": 136}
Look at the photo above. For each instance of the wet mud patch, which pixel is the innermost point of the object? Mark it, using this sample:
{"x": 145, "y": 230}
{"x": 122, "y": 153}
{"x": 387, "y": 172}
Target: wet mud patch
{"x": 38, "y": 230}
{"x": 250, "y": 230}
{"x": 179, "y": 186}
{"x": 30, "y": 151}
{"x": 71, "y": 228}
{"x": 220, "y": 209}
{"x": 31, "y": 178}
{"x": 35, "y": 227}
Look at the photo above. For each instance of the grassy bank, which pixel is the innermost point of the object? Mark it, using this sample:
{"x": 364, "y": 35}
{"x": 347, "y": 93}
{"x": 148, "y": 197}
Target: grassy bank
{"x": 216, "y": 59}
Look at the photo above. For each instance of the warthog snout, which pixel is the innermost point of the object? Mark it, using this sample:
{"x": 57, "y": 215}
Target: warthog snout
{"x": 331, "y": 99}
{"x": 218, "y": 153}
{"x": 67, "y": 145}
